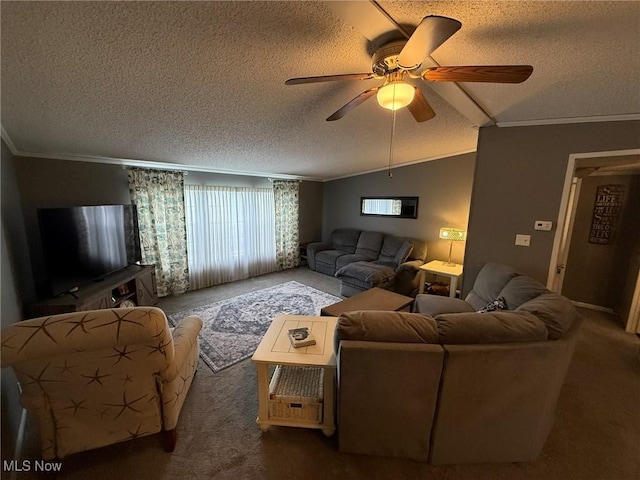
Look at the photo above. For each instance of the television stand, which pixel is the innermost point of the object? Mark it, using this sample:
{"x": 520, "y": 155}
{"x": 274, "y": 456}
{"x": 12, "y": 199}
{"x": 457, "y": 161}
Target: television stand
{"x": 135, "y": 283}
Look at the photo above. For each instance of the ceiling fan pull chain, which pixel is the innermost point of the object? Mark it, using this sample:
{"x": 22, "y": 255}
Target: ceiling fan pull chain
{"x": 393, "y": 132}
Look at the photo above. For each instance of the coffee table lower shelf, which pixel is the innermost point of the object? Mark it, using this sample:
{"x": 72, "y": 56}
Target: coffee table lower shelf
{"x": 296, "y": 395}
{"x": 297, "y": 398}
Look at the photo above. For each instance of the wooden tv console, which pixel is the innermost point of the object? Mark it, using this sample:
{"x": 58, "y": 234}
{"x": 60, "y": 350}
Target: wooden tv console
{"x": 136, "y": 283}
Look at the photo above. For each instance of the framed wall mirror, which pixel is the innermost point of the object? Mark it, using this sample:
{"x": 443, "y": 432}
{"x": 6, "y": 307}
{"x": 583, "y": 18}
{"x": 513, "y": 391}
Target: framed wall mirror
{"x": 398, "y": 207}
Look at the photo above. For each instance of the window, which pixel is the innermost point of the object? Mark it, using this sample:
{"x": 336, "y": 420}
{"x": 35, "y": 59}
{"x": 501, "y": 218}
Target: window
{"x": 230, "y": 233}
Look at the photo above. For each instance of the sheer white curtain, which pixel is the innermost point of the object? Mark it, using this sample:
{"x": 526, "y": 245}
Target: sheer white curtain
{"x": 230, "y": 234}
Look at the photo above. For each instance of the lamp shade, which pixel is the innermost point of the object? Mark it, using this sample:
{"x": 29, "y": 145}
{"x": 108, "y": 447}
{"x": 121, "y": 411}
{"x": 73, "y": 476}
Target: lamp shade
{"x": 395, "y": 95}
{"x": 453, "y": 234}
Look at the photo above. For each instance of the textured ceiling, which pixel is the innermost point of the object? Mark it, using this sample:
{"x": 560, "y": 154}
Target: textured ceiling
{"x": 201, "y": 84}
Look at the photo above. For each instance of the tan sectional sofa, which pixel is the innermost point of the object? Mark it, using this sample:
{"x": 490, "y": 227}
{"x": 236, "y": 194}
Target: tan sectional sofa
{"x": 449, "y": 384}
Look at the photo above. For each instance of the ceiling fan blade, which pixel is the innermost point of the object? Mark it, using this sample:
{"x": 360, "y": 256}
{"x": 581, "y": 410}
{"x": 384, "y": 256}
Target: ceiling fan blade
{"x": 341, "y": 112}
{"x": 329, "y": 78}
{"x": 494, "y": 74}
{"x": 420, "y": 108}
{"x": 432, "y": 32}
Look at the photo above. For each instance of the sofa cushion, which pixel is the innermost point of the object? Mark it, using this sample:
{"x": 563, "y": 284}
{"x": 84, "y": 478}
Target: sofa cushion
{"x": 403, "y": 253}
{"x": 555, "y": 311}
{"x": 345, "y": 239}
{"x": 348, "y": 258}
{"x": 329, "y": 257}
{"x": 368, "y": 273}
{"x": 384, "y": 326}
{"x": 491, "y": 327}
{"x": 434, "y": 305}
{"x": 489, "y": 282}
{"x": 369, "y": 245}
{"x": 520, "y": 290}
{"x": 362, "y": 285}
{"x": 390, "y": 247}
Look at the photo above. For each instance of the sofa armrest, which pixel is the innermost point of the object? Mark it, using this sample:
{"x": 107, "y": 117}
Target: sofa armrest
{"x": 313, "y": 249}
{"x": 316, "y": 247}
{"x": 408, "y": 278}
{"x": 434, "y": 305}
{"x": 185, "y": 338}
{"x": 412, "y": 267}
{"x": 387, "y": 394}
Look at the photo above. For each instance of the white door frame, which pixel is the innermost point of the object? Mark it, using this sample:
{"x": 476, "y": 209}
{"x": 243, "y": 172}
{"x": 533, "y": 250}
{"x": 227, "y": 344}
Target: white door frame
{"x": 564, "y": 203}
{"x": 565, "y": 238}
{"x": 633, "y": 323}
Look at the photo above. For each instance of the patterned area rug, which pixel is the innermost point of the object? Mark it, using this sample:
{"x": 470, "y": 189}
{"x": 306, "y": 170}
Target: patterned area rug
{"x": 234, "y": 327}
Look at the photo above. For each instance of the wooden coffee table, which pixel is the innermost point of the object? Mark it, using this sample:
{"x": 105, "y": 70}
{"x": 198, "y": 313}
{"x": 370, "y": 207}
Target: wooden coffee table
{"x": 372, "y": 299}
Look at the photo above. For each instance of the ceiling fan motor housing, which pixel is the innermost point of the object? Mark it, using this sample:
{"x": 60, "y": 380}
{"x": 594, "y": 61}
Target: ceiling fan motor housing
{"x": 385, "y": 59}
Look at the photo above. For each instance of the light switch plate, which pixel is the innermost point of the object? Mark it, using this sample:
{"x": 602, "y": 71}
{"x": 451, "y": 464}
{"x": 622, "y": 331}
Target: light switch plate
{"x": 543, "y": 225}
{"x": 523, "y": 240}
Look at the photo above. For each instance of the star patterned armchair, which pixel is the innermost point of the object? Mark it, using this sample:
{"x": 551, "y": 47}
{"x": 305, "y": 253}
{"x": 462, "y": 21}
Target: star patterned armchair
{"x": 99, "y": 377}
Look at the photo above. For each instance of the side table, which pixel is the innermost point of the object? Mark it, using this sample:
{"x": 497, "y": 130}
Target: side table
{"x": 276, "y": 349}
{"x": 438, "y": 267}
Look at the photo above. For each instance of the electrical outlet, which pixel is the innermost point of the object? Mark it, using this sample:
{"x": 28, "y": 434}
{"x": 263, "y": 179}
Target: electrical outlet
{"x": 543, "y": 225}
{"x": 523, "y": 240}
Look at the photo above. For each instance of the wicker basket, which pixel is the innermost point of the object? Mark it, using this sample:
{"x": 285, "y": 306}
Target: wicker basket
{"x": 296, "y": 394}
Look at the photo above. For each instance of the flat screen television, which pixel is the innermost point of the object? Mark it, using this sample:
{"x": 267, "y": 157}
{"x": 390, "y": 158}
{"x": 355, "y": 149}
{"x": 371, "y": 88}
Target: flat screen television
{"x": 83, "y": 244}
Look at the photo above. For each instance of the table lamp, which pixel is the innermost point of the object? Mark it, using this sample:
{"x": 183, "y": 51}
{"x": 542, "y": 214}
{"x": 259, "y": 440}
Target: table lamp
{"x": 453, "y": 235}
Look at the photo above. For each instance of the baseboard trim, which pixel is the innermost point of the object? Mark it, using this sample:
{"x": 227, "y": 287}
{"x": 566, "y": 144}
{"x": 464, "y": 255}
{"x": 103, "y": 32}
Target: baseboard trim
{"x": 593, "y": 307}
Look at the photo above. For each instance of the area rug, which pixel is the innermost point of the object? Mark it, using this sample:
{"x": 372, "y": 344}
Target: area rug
{"x": 234, "y": 327}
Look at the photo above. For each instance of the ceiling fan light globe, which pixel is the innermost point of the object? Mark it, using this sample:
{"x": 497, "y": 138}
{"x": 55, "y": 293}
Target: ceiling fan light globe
{"x": 395, "y": 95}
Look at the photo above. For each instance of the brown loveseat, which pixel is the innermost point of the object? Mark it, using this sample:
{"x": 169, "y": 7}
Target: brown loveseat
{"x": 451, "y": 384}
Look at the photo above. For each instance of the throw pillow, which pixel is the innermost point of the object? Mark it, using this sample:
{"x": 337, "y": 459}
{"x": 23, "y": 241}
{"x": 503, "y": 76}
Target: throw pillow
{"x": 498, "y": 304}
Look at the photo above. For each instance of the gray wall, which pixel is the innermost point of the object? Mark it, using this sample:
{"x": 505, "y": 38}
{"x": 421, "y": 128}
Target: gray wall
{"x": 16, "y": 267}
{"x": 15, "y": 282}
{"x": 592, "y": 270}
{"x": 311, "y": 194}
{"x": 628, "y": 255}
{"x": 519, "y": 179}
{"x": 444, "y": 190}
{"x": 47, "y": 183}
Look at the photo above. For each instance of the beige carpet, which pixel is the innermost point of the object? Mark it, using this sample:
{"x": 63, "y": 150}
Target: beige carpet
{"x": 596, "y": 435}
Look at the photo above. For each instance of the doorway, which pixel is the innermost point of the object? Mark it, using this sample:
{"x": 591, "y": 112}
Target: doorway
{"x": 603, "y": 276}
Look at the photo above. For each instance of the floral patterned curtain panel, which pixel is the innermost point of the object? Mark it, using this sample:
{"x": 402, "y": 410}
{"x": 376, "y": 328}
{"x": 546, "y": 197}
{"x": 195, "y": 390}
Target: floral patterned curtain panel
{"x": 159, "y": 198}
{"x": 286, "y": 194}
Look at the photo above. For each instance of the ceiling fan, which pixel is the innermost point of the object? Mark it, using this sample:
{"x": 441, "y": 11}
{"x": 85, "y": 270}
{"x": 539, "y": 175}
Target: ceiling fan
{"x": 400, "y": 60}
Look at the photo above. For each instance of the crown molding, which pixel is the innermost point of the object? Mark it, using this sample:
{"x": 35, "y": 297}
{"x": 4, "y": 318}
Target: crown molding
{"x": 128, "y": 162}
{"x": 406, "y": 164}
{"x": 559, "y": 121}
